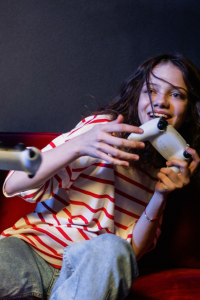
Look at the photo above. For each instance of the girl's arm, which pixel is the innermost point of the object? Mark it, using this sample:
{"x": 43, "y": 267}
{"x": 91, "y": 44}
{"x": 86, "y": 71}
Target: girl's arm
{"x": 97, "y": 142}
{"x": 144, "y": 231}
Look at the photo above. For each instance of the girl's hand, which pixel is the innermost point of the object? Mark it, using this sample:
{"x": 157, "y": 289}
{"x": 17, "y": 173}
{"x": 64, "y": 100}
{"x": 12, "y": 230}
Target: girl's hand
{"x": 169, "y": 180}
{"x": 99, "y": 142}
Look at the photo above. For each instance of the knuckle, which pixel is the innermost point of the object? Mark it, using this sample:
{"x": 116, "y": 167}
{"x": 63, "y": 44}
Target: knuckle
{"x": 169, "y": 171}
{"x": 181, "y": 185}
{"x": 185, "y": 164}
{"x": 99, "y": 136}
{"x": 173, "y": 188}
{"x": 117, "y": 153}
{"x": 137, "y": 144}
{"x": 98, "y": 153}
{"x": 112, "y": 161}
{"x": 98, "y": 146}
{"x": 121, "y": 143}
{"x": 186, "y": 182}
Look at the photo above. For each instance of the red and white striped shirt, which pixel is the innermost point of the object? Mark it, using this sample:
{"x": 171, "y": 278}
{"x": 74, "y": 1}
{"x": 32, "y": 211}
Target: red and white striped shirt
{"x": 87, "y": 198}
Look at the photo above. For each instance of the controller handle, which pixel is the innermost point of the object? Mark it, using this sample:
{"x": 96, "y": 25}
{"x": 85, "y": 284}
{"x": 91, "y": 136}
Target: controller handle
{"x": 177, "y": 169}
{"x": 164, "y": 138}
{"x": 151, "y": 129}
{"x": 21, "y": 159}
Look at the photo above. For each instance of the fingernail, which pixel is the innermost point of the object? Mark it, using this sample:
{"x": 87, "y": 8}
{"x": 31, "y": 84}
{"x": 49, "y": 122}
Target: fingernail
{"x": 141, "y": 130}
{"x": 142, "y": 144}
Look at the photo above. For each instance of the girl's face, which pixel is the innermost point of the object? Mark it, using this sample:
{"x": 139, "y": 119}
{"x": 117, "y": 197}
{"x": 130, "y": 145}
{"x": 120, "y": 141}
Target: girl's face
{"x": 169, "y": 97}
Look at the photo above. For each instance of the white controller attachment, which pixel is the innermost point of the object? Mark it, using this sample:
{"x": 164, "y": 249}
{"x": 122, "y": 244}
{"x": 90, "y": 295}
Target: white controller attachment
{"x": 19, "y": 158}
{"x": 165, "y": 139}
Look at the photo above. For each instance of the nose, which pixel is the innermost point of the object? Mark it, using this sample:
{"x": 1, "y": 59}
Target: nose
{"x": 160, "y": 100}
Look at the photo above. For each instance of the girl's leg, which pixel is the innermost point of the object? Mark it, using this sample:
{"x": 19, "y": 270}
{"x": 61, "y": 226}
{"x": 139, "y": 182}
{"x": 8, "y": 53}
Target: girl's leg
{"x": 23, "y": 273}
{"x": 103, "y": 268}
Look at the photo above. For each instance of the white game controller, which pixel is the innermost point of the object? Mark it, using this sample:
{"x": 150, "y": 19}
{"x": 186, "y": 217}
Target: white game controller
{"x": 19, "y": 158}
{"x": 167, "y": 141}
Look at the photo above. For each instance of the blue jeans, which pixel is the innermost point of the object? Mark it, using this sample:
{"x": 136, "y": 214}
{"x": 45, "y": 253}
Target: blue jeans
{"x": 23, "y": 273}
{"x": 100, "y": 269}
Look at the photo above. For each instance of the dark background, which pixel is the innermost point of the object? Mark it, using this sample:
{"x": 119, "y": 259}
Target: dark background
{"x": 53, "y": 53}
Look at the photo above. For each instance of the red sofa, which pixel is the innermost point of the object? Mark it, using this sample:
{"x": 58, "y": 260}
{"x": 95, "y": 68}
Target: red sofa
{"x": 172, "y": 270}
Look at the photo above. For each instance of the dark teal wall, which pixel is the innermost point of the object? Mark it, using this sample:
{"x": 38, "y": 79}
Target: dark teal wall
{"x": 54, "y": 52}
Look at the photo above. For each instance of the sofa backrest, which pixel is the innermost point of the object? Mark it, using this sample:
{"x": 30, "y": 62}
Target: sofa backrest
{"x": 12, "y": 209}
{"x": 179, "y": 242}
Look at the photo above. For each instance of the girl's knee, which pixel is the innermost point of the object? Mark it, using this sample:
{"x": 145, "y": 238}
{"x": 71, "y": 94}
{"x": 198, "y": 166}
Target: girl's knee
{"x": 112, "y": 247}
{"x": 114, "y": 242}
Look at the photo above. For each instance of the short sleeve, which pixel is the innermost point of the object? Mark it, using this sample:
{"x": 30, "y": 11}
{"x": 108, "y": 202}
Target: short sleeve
{"x": 66, "y": 176}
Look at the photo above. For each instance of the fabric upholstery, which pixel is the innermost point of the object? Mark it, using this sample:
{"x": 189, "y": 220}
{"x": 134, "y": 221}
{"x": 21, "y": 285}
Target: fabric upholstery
{"x": 172, "y": 270}
{"x": 172, "y": 284}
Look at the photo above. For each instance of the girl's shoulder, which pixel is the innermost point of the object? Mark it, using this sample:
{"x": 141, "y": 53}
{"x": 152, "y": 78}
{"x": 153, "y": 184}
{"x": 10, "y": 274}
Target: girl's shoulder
{"x": 94, "y": 119}
{"x": 86, "y": 124}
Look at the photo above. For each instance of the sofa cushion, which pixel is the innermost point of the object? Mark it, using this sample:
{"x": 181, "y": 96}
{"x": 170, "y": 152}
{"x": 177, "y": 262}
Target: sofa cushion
{"x": 171, "y": 284}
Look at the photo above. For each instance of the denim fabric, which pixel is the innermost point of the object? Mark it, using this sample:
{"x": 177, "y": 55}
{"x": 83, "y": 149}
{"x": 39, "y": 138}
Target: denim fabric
{"x": 103, "y": 268}
{"x": 23, "y": 273}
{"x": 99, "y": 269}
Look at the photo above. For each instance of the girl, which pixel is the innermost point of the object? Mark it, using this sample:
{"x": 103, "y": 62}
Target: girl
{"x": 100, "y": 197}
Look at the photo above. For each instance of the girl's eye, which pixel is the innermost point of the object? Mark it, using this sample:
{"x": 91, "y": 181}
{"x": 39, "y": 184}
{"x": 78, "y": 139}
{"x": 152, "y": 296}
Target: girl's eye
{"x": 150, "y": 91}
{"x": 177, "y": 95}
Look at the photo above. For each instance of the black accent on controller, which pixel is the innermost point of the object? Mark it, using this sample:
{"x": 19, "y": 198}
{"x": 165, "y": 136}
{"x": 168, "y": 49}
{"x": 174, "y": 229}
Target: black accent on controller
{"x": 31, "y": 153}
{"x": 20, "y": 147}
{"x": 31, "y": 175}
{"x": 162, "y": 124}
{"x": 186, "y": 154}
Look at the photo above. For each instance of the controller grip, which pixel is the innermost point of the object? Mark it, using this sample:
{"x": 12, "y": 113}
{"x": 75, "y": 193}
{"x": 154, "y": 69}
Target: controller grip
{"x": 175, "y": 169}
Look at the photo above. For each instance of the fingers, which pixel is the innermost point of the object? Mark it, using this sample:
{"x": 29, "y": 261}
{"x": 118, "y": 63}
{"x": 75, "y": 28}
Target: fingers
{"x": 112, "y": 160}
{"x": 119, "y": 142}
{"x": 119, "y": 119}
{"x": 167, "y": 184}
{"x": 117, "y": 126}
{"x": 110, "y": 127}
{"x": 103, "y": 134}
{"x": 99, "y": 142}
{"x": 193, "y": 163}
{"x": 171, "y": 180}
{"x": 195, "y": 159}
{"x": 183, "y": 165}
{"x": 117, "y": 155}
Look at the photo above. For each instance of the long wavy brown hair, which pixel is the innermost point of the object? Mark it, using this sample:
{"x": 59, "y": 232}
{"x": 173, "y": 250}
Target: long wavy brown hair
{"x": 126, "y": 101}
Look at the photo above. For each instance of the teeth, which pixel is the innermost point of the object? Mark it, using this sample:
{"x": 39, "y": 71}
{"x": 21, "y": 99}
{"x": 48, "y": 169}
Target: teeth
{"x": 159, "y": 115}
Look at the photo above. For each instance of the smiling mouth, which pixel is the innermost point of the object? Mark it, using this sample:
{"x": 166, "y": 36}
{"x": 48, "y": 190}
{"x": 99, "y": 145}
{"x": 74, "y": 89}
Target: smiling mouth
{"x": 157, "y": 115}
